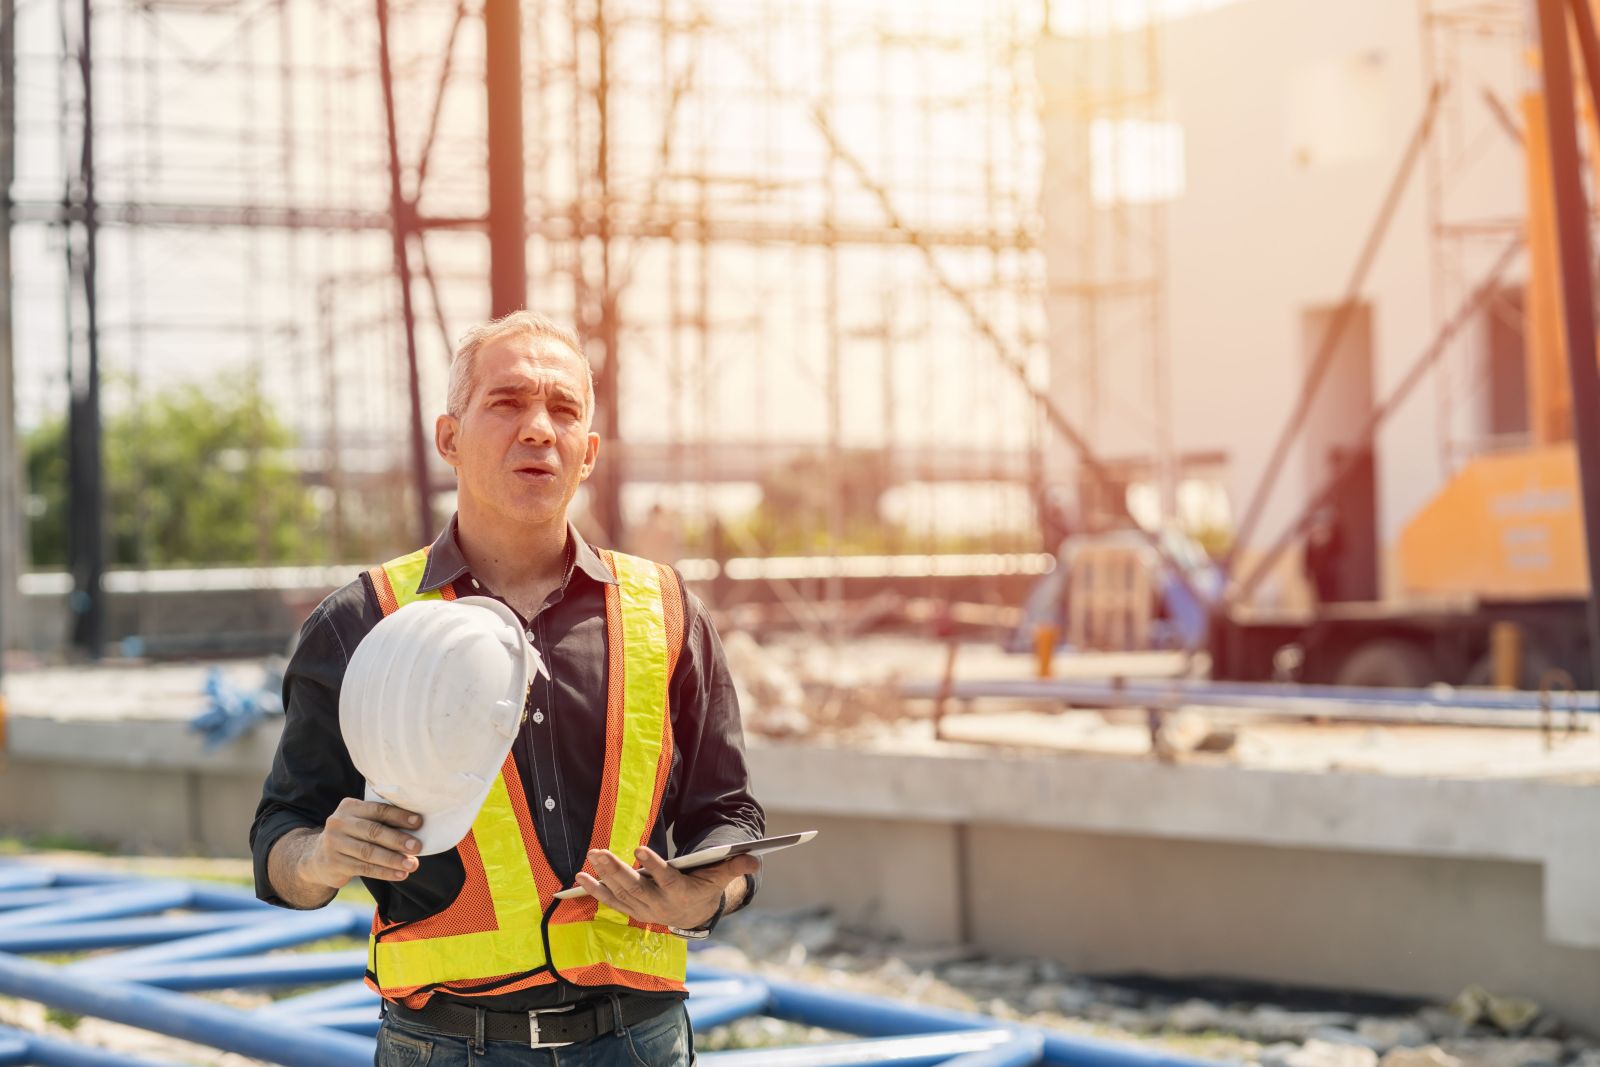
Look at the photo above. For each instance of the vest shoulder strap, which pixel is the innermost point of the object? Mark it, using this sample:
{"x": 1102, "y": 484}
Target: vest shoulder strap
{"x": 395, "y": 583}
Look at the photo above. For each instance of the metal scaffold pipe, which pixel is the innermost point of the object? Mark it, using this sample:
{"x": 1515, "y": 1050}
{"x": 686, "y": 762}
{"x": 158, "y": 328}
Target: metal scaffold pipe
{"x": 182, "y": 1017}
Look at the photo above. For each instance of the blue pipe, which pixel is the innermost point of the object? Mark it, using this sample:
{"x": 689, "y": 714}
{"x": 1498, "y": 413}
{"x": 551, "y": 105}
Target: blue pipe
{"x": 920, "y": 1050}
{"x": 88, "y": 877}
{"x": 211, "y": 897}
{"x": 717, "y": 1006}
{"x": 312, "y": 968}
{"x": 230, "y": 898}
{"x": 15, "y": 875}
{"x": 260, "y": 936}
{"x": 117, "y": 933}
{"x": 10, "y": 900}
{"x": 363, "y": 1021}
{"x": 175, "y": 1015}
{"x": 881, "y": 1017}
{"x": 347, "y": 995}
{"x": 111, "y": 904}
{"x": 53, "y": 1052}
{"x": 1023, "y": 1050}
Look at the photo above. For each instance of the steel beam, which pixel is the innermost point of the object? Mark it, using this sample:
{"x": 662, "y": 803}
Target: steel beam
{"x": 401, "y": 213}
{"x": 502, "y": 76}
{"x": 1475, "y": 707}
{"x": 1577, "y": 278}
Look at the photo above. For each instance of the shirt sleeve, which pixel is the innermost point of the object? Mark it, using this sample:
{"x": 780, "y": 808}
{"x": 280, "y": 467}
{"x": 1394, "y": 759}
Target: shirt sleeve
{"x": 311, "y": 772}
{"x": 714, "y": 802}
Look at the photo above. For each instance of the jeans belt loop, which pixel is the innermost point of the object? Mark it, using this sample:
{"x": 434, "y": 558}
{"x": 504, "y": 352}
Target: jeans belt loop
{"x": 617, "y": 1028}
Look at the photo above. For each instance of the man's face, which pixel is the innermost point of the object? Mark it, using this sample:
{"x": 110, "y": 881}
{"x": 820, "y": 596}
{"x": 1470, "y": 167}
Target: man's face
{"x": 523, "y": 445}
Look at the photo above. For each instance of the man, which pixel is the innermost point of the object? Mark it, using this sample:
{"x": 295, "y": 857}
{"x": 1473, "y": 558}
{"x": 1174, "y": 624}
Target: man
{"x": 599, "y": 978}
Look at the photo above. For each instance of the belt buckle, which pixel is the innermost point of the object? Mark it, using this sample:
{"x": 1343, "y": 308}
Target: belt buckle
{"x": 533, "y": 1026}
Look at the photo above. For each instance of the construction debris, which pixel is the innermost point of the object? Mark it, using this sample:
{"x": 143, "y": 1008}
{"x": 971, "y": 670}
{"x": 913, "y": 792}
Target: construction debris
{"x": 1042, "y": 992}
{"x": 1511, "y": 1015}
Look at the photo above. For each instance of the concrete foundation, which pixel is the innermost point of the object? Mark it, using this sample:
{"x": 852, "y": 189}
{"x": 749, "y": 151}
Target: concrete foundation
{"x": 1405, "y": 885}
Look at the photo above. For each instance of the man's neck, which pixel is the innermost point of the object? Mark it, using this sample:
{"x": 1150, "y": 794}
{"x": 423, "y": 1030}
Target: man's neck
{"x": 511, "y": 556}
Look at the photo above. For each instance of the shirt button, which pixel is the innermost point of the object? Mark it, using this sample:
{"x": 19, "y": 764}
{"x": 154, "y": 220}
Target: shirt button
{"x": 475, "y": 584}
{"x": 549, "y": 803}
{"x": 538, "y": 716}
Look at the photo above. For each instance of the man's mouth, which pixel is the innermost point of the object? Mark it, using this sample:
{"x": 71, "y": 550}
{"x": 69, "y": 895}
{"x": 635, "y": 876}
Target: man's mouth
{"x": 535, "y": 473}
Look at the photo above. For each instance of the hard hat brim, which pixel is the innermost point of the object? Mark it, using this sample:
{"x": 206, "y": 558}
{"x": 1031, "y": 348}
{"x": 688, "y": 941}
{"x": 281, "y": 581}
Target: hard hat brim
{"x": 442, "y": 830}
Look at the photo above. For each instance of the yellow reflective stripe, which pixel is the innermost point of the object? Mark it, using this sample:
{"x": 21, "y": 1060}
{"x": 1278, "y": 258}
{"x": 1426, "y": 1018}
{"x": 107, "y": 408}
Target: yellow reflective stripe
{"x": 516, "y": 945}
{"x": 405, "y": 574}
{"x": 627, "y": 948}
{"x": 644, "y": 701}
{"x": 434, "y": 960}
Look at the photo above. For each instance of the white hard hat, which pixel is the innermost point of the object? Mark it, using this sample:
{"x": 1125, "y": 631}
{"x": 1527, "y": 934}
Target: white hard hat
{"x": 431, "y": 702}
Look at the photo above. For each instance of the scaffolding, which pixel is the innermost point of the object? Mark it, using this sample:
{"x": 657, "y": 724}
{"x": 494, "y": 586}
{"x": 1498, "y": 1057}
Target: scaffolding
{"x": 772, "y": 224}
{"x": 1474, "y": 55}
{"x": 1114, "y": 162}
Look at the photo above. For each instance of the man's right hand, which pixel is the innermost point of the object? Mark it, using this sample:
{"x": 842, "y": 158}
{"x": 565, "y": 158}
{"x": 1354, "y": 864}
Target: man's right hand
{"x": 365, "y": 839}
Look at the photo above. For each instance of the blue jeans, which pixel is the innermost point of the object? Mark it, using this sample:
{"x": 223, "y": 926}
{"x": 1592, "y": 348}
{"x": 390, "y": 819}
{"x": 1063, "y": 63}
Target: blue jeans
{"x": 664, "y": 1040}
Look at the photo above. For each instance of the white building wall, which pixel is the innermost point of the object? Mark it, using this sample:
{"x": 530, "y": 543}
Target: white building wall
{"x": 1295, "y": 115}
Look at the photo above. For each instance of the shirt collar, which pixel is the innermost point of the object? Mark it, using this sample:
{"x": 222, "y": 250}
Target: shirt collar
{"x": 446, "y": 563}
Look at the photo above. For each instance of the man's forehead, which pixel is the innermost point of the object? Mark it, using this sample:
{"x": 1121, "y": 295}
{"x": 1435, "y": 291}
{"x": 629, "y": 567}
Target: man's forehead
{"x": 529, "y": 363}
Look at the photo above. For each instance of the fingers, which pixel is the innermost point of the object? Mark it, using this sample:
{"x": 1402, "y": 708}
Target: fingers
{"x": 663, "y": 873}
{"x": 598, "y": 890}
{"x": 388, "y": 814}
{"x": 619, "y": 886}
{"x": 729, "y": 869}
{"x": 361, "y": 838}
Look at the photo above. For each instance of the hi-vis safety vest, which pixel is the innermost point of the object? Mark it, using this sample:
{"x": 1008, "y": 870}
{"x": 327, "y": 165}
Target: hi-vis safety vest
{"x": 505, "y": 931}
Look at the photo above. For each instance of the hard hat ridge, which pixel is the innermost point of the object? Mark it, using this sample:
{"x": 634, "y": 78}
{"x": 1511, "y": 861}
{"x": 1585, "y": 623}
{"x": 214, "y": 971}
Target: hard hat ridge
{"x": 431, "y": 701}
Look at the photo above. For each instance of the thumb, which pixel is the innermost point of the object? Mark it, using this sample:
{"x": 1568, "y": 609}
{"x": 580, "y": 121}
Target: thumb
{"x": 743, "y": 865}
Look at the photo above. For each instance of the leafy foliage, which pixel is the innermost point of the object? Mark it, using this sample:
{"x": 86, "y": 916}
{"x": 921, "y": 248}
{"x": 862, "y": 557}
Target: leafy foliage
{"x": 194, "y": 475}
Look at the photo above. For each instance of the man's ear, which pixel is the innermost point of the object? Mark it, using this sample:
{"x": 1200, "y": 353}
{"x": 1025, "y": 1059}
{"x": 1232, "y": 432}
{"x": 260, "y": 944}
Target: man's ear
{"x": 590, "y": 455}
{"x": 445, "y": 428}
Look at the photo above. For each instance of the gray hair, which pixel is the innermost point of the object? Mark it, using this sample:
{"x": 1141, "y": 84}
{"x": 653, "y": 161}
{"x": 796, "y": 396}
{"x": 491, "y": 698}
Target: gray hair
{"x": 463, "y": 365}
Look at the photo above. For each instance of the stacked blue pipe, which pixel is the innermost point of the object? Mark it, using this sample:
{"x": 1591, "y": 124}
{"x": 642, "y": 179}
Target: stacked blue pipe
{"x": 217, "y": 940}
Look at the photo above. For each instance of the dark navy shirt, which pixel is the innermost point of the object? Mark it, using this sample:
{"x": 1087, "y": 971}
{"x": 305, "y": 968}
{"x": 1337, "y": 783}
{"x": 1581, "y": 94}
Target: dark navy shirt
{"x": 559, "y": 751}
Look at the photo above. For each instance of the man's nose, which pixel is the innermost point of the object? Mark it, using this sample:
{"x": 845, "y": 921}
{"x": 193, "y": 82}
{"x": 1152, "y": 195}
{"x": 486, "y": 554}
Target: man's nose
{"x": 537, "y": 428}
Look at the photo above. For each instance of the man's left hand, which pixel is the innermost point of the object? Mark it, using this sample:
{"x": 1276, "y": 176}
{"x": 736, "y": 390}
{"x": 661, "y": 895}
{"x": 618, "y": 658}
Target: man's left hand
{"x": 659, "y": 893}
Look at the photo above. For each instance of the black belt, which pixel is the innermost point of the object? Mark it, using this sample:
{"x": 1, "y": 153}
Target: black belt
{"x": 542, "y": 1028}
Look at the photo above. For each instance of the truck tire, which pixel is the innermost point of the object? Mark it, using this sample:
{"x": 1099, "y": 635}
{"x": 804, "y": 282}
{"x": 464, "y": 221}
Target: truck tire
{"x": 1535, "y": 665}
{"x": 1386, "y": 663}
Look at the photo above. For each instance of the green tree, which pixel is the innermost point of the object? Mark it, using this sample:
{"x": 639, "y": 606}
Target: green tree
{"x": 194, "y": 475}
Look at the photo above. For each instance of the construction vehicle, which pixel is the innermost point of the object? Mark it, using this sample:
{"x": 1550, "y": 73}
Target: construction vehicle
{"x": 1494, "y": 575}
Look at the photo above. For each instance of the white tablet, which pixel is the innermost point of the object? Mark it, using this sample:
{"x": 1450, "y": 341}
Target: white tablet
{"x": 717, "y": 853}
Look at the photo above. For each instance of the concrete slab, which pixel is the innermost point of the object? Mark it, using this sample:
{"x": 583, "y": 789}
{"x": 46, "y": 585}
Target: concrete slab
{"x": 1411, "y": 860}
